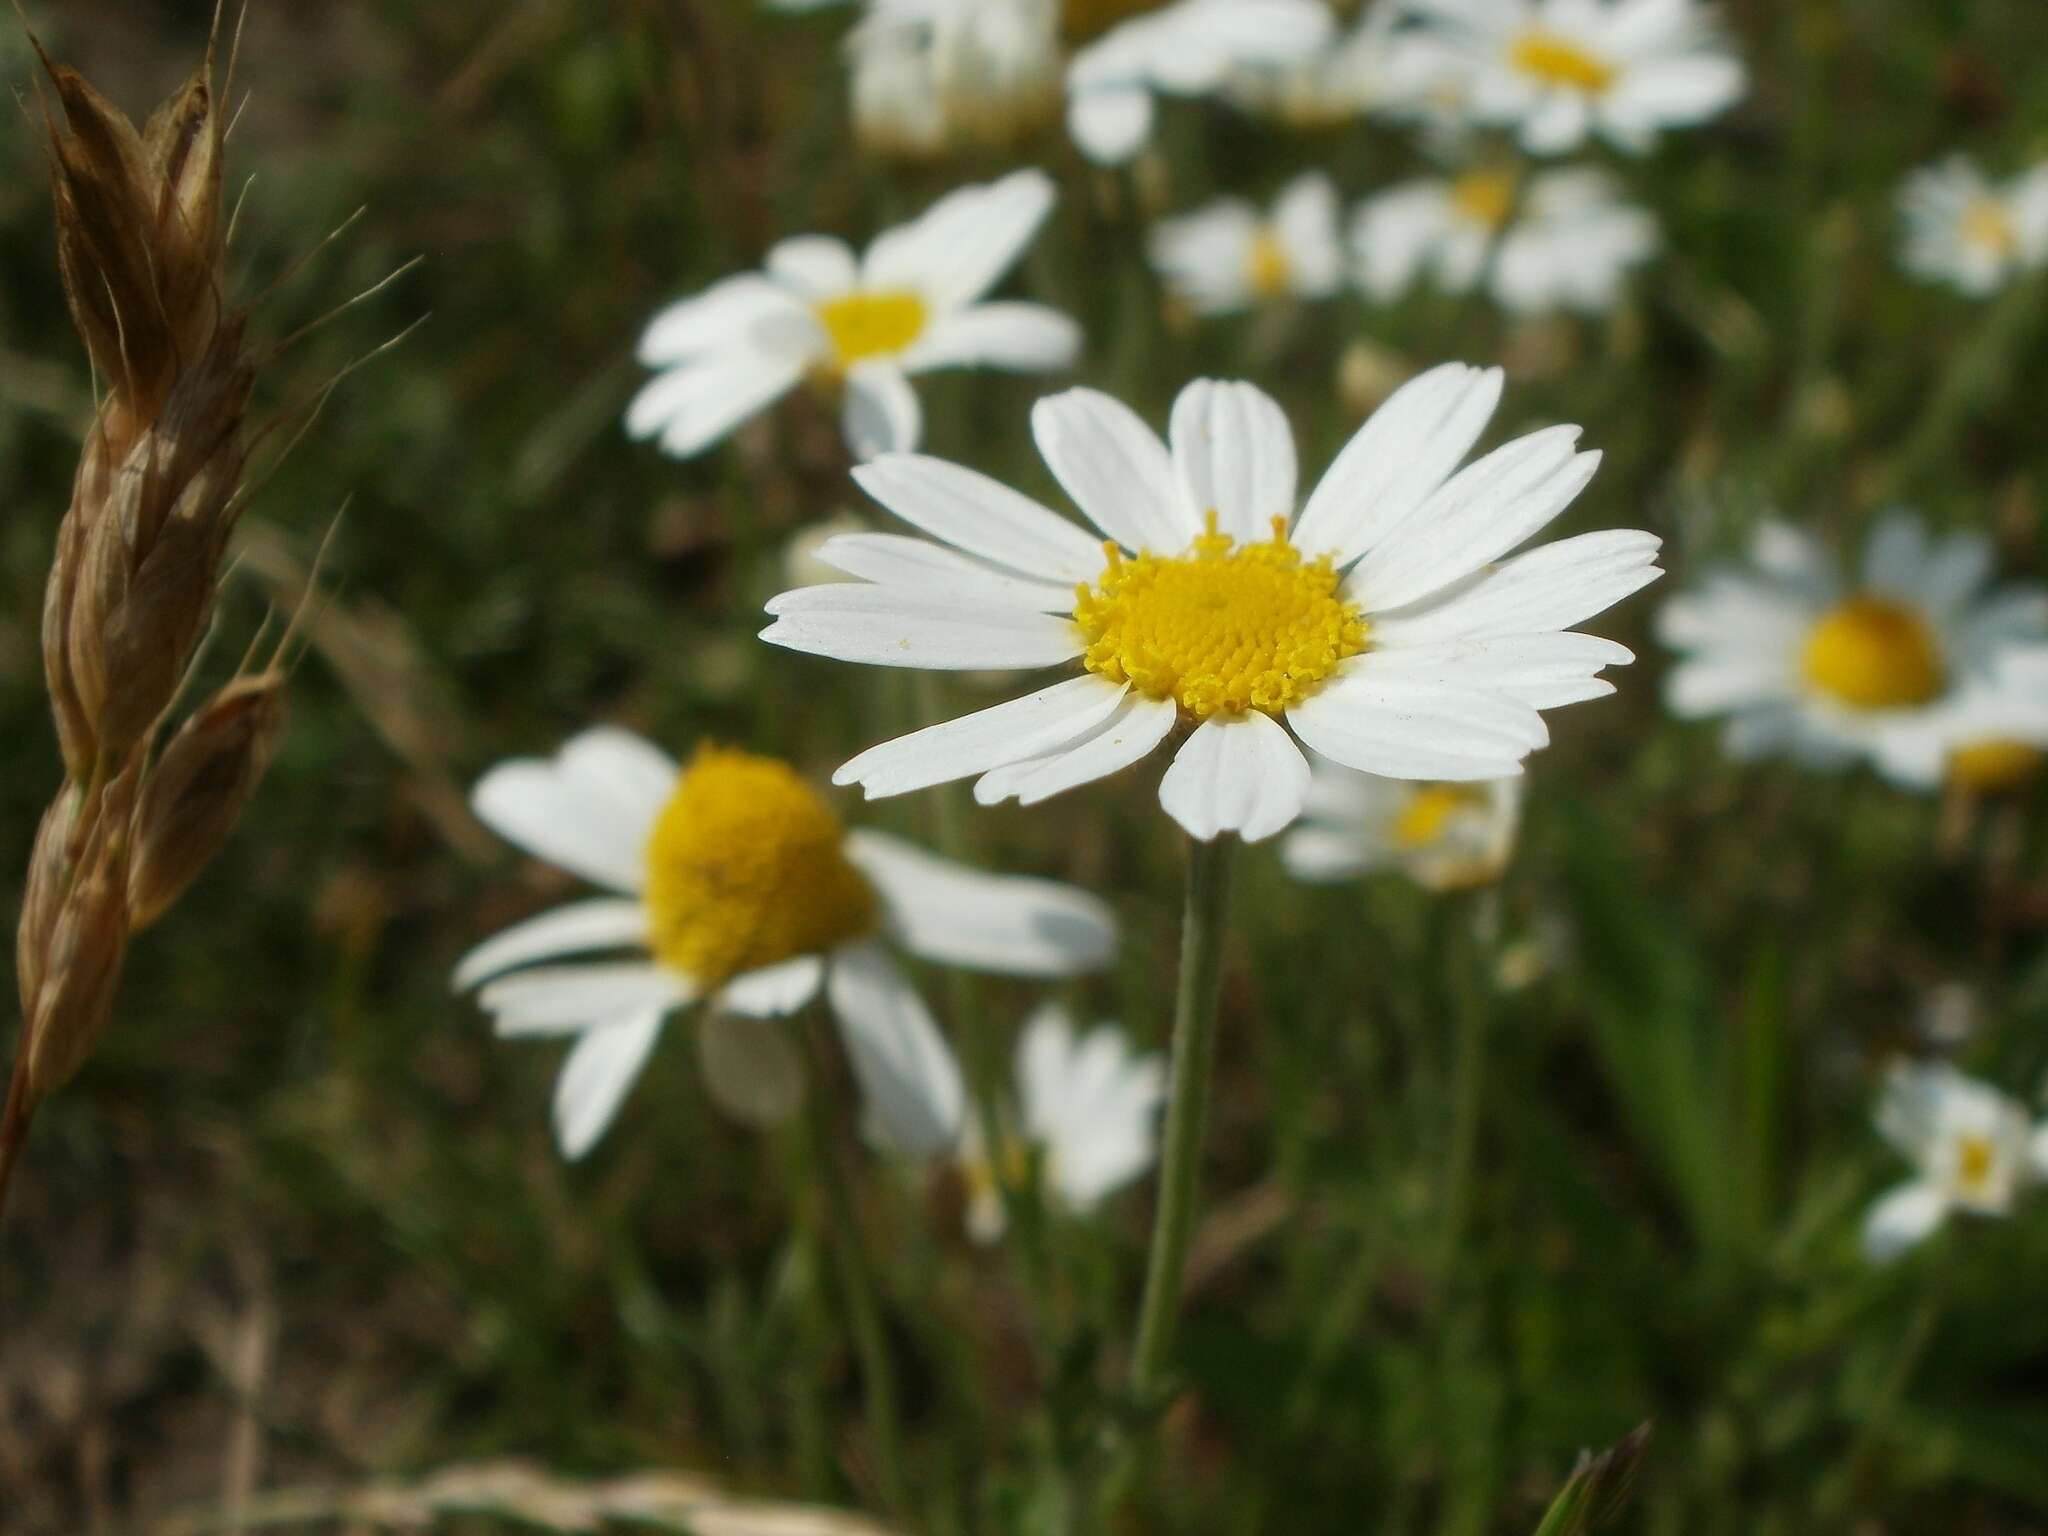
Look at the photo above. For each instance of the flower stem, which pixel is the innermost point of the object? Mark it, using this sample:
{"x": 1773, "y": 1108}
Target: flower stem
{"x": 1470, "y": 986}
{"x": 1203, "y": 921}
{"x": 864, "y": 1316}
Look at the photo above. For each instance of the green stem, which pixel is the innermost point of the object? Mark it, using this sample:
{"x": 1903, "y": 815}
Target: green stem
{"x": 1471, "y": 1005}
{"x": 1203, "y": 922}
{"x": 878, "y": 1375}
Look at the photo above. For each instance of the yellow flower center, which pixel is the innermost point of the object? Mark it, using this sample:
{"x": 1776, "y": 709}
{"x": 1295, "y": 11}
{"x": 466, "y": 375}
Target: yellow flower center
{"x": 746, "y": 867}
{"x": 1988, "y": 226}
{"x": 1085, "y": 20}
{"x": 1994, "y": 767}
{"x": 1870, "y": 653}
{"x": 864, "y": 325}
{"x": 1976, "y": 1161}
{"x": 1222, "y": 628}
{"x": 1560, "y": 62}
{"x": 1484, "y": 197}
{"x": 1430, "y": 811}
{"x": 1268, "y": 272}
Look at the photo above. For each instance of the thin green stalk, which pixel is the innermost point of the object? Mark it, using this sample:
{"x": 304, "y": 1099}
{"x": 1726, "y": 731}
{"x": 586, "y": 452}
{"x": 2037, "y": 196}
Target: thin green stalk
{"x": 1203, "y": 922}
{"x": 1471, "y": 1005}
{"x": 864, "y": 1314}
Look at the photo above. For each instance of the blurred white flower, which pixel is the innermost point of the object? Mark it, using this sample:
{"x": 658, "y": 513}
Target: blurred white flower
{"x": 1560, "y": 70}
{"x": 735, "y": 885}
{"x": 1382, "y": 625}
{"x": 932, "y": 75}
{"x": 1972, "y": 233}
{"x": 1569, "y": 242}
{"x": 1187, "y": 48}
{"x": 1374, "y": 68}
{"x": 1443, "y": 836}
{"x": 914, "y": 302}
{"x": 1228, "y": 256}
{"x": 1087, "y": 1119}
{"x": 1972, "y": 1147}
{"x": 1828, "y": 669}
{"x": 1992, "y": 736}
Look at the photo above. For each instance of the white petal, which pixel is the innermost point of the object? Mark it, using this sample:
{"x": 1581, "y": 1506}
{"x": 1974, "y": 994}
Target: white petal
{"x": 1234, "y": 452}
{"x": 954, "y": 915}
{"x": 582, "y": 925}
{"x": 1403, "y": 453}
{"x": 1134, "y": 728}
{"x": 1022, "y": 728}
{"x": 880, "y": 413}
{"x": 713, "y": 320}
{"x": 1110, "y": 123}
{"x": 816, "y": 266}
{"x": 560, "y": 999}
{"x": 774, "y": 991}
{"x": 1025, "y": 338}
{"x": 982, "y": 516}
{"x": 1552, "y": 586}
{"x": 1479, "y": 515}
{"x": 691, "y": 407}
{"x": 1403, "y": 730}
{"x": 897, "y": 560}
{"x": 1902, "y": 1219}
{"x": 1542, "y": 671}
{"x": 889, "y": 627}
{"x": 909, "y": 1077}
{"x": 1116, "y": 469}
{"x": 589, "y": 810}
{"x": 1239, "y": 774}
{"x": 961, "y": 246}
{"x": 594, "y": 1080}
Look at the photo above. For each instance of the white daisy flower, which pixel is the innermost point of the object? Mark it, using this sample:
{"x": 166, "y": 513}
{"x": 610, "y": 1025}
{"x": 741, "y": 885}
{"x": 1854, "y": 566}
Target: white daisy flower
{"x": 912, "y": 303}
{"x": 1382, "y": 625}
{"x": 1227, "y": 256}
{"x": 1827, "y": 669}
{"x": 1972, "y": 1146}
{"x": 1374, "y": 67}
{"x": 1569, "y": 242}
{"x": 930, "y": 75}
{"x": 1560, "y": 70}
{"x": 733, "y": 885}
{"x": 1188, "y": 48}
{"x": 1087, "y": 1119}
{"x": 1444, "y": 837}
{"x": 1976, "y": 235}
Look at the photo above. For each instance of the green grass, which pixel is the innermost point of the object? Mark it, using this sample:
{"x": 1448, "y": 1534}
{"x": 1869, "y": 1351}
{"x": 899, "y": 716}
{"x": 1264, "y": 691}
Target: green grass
{"x": 296, "y": 1148}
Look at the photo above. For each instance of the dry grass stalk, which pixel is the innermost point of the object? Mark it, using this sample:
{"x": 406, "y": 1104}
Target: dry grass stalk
{"x": 142, "y": 244}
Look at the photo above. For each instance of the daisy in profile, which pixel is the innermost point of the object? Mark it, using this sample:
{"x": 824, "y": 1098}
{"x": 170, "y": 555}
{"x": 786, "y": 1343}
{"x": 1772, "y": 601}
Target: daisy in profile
{"x": 915, "y": 301}
{"x": 1385, "y": 624}
{"x": 1229, "y": 256}
{"x": 1187, "y": 48}
{"x": 1972, "y": 1149}
{"x": 929, "y": 76}
{"x": 1830, "y": 668}
{"x": 1559, "y": 71}
{"x": 1373, "y": 69}
{"x": 1972, "y": 233}
{"x": 1444, "y": 837}
{"x": 1567, "y": 242}
{"x": 1086, "y": 1118}
{"x": 732, "y": 886}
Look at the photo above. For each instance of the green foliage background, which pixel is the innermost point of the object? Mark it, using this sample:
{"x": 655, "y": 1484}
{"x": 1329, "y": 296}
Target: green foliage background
{"x": 297, "y": 1149}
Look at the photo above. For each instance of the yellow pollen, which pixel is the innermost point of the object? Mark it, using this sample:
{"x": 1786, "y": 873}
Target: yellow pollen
{"x": 1558, "y": 61}
{"x": 1268, "y": 272}
{"x": 1429, "y": 812}
{"x": 1976, "y": 1160}
{"x": 1085, "y": 20}
{"x": 1870, "y": 653}
{"x": 1222, "y": 628}
{"x": 1484, "y": 197}
{"x": 1988, "y": 226}
{"x": 1994, "y": 767}
{"x": 864, "y": 325}
{"x": 745, "y": 868}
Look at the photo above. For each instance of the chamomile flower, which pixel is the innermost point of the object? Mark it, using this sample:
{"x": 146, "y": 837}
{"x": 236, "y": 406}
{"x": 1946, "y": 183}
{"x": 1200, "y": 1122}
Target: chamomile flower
{"x": 1444, "y": 837}
{"x": 932, "y": 75}
{"x": 1383, "y": 625}
{"x": 1972, "y": 1147}
{"x": 912, "y": 303}
{"x": 1229, "y": 256}
{"x": 1972, "y": 233}
{"x": 732, "y": 885}
{"x": 1560, "y": 70}
{"x": 1567, "y": 242}
{"x": 1187, "y": 48}
{"x": 1086, "y": 1117}
{"x": 1828, "y": 669}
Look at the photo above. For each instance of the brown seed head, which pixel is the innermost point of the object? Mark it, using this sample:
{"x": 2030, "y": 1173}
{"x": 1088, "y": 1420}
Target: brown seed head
{"x": 49, "y": 877}
{"x": 197, "y": 789}
{"x": 79, "y": 969}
